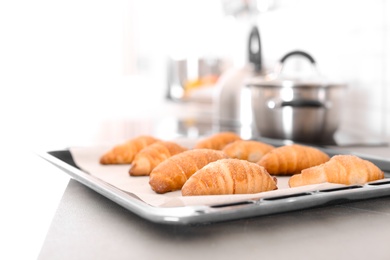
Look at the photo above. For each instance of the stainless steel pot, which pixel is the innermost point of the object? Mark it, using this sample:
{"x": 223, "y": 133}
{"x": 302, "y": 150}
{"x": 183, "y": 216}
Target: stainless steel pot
{"x": 301, "y": 110}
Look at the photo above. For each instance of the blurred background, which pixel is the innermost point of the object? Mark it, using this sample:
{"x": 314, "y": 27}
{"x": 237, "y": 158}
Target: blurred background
{"x": 67, "y": 67}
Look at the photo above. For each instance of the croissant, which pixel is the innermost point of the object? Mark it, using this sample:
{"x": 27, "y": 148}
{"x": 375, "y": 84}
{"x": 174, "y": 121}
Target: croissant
{"x": 292, "y": 159}
{"x": 124, "y": 153}
{"x": 149, "y": 157}
{"x": 171, "y": 174}
{"x": 248, "y": 150}
{"x": 343, "y": 169}
{"x": 229, "y": 176}
{"x": 217, "y": 141}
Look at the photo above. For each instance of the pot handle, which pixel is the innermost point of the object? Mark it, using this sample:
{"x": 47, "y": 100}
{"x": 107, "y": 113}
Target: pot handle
{"x": 302, "y": 103}
{"x": 299, "y": 103}
{"x": 279, "y": 66}
{"x": 299, "y": 53}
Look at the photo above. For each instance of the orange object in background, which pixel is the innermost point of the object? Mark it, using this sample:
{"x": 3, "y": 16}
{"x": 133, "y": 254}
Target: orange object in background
{"x": 200, "y": 82}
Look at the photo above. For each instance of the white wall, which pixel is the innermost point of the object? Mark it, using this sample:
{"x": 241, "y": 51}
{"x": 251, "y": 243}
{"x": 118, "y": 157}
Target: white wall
{"x": 76, "y": 59}
{"x": 64, "y": 68}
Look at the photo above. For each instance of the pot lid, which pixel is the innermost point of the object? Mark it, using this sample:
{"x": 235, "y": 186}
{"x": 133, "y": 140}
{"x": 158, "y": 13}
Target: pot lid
{"x": 278, "y": 79}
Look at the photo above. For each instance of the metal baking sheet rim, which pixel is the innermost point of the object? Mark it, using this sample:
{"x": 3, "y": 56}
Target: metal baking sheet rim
{"x": 223, "y": 212}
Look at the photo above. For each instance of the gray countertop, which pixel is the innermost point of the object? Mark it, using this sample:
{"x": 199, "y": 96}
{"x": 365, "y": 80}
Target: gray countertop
{"x": 87, "y": 225}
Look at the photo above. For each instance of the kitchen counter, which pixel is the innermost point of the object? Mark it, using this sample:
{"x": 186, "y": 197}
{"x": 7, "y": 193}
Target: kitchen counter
{"x": 89, "y": 226}
{"x": 86, "y": 225}
{"x": 51, "y": 216}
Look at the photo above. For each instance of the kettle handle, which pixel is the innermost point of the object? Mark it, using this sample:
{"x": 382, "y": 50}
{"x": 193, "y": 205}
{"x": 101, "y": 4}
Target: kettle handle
{"x": 254, "y": 48}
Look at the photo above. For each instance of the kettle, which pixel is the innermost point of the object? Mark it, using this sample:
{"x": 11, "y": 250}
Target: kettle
{"x": 232, "y": 105}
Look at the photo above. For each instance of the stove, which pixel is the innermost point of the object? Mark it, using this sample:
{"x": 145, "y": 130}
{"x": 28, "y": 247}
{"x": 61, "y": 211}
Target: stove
{"x": 342, "y": 138}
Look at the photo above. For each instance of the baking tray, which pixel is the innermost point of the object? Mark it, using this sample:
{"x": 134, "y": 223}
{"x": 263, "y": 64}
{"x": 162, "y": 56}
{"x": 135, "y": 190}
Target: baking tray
{"x": 185, "y": 215}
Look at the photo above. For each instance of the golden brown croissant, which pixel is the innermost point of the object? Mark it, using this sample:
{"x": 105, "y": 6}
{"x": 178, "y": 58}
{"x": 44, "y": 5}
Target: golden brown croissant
{"x": 292, "y": 159}
{"x": 343, "y": 169}
{"x": 229, "y": 176}
{"x": 217, "y": 141}
{"x": 124, "y": 153}
{"x": 151, "y": 156}
{"x": 171, "y": 174}
{"x": 249, "y": 150}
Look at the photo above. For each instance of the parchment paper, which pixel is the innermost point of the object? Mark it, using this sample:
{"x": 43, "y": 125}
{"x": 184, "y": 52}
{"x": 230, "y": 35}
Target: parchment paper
{"x": 87, "y": 158}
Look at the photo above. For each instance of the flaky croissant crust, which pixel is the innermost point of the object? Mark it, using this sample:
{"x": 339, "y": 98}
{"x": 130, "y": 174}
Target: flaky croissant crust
{"x": 292, "y": 159}
{"x": 342, "y": 169}
{"x": 152, "y": 155}
{"x": 171, "y": 174}
{"x": 229, "y": 176}
{"x": 217, "y": 141}
{"x": 124, "y": 153}
{"x": 249, "y": 150}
